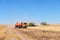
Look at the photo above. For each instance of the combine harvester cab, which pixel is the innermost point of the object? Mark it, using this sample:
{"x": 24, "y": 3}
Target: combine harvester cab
{"x": 17, "y": 25}
{"x": 21, "y": 25}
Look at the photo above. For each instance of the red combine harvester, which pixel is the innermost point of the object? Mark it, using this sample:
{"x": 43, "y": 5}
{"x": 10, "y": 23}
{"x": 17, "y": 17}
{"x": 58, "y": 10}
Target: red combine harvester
{"x": 21, "y": 25}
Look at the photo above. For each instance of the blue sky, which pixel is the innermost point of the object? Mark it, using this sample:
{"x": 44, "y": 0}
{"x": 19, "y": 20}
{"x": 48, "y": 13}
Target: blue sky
{"x": 37, "y": 11}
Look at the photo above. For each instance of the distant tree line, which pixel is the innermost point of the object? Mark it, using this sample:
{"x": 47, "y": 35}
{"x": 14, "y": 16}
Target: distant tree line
{"x": 42, "y": 23}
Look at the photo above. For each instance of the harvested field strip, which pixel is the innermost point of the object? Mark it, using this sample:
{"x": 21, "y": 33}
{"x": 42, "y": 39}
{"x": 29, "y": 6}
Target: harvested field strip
{"x": 49, "y": 28}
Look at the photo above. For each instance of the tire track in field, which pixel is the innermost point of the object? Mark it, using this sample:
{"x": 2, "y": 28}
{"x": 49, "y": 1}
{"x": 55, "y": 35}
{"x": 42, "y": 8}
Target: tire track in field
{"x": 10, "y": 35}
{"x": 20, "y": 35}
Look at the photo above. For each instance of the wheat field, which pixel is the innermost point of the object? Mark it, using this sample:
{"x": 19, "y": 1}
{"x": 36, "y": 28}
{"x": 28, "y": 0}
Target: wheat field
{"x": 40, "y": 32}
